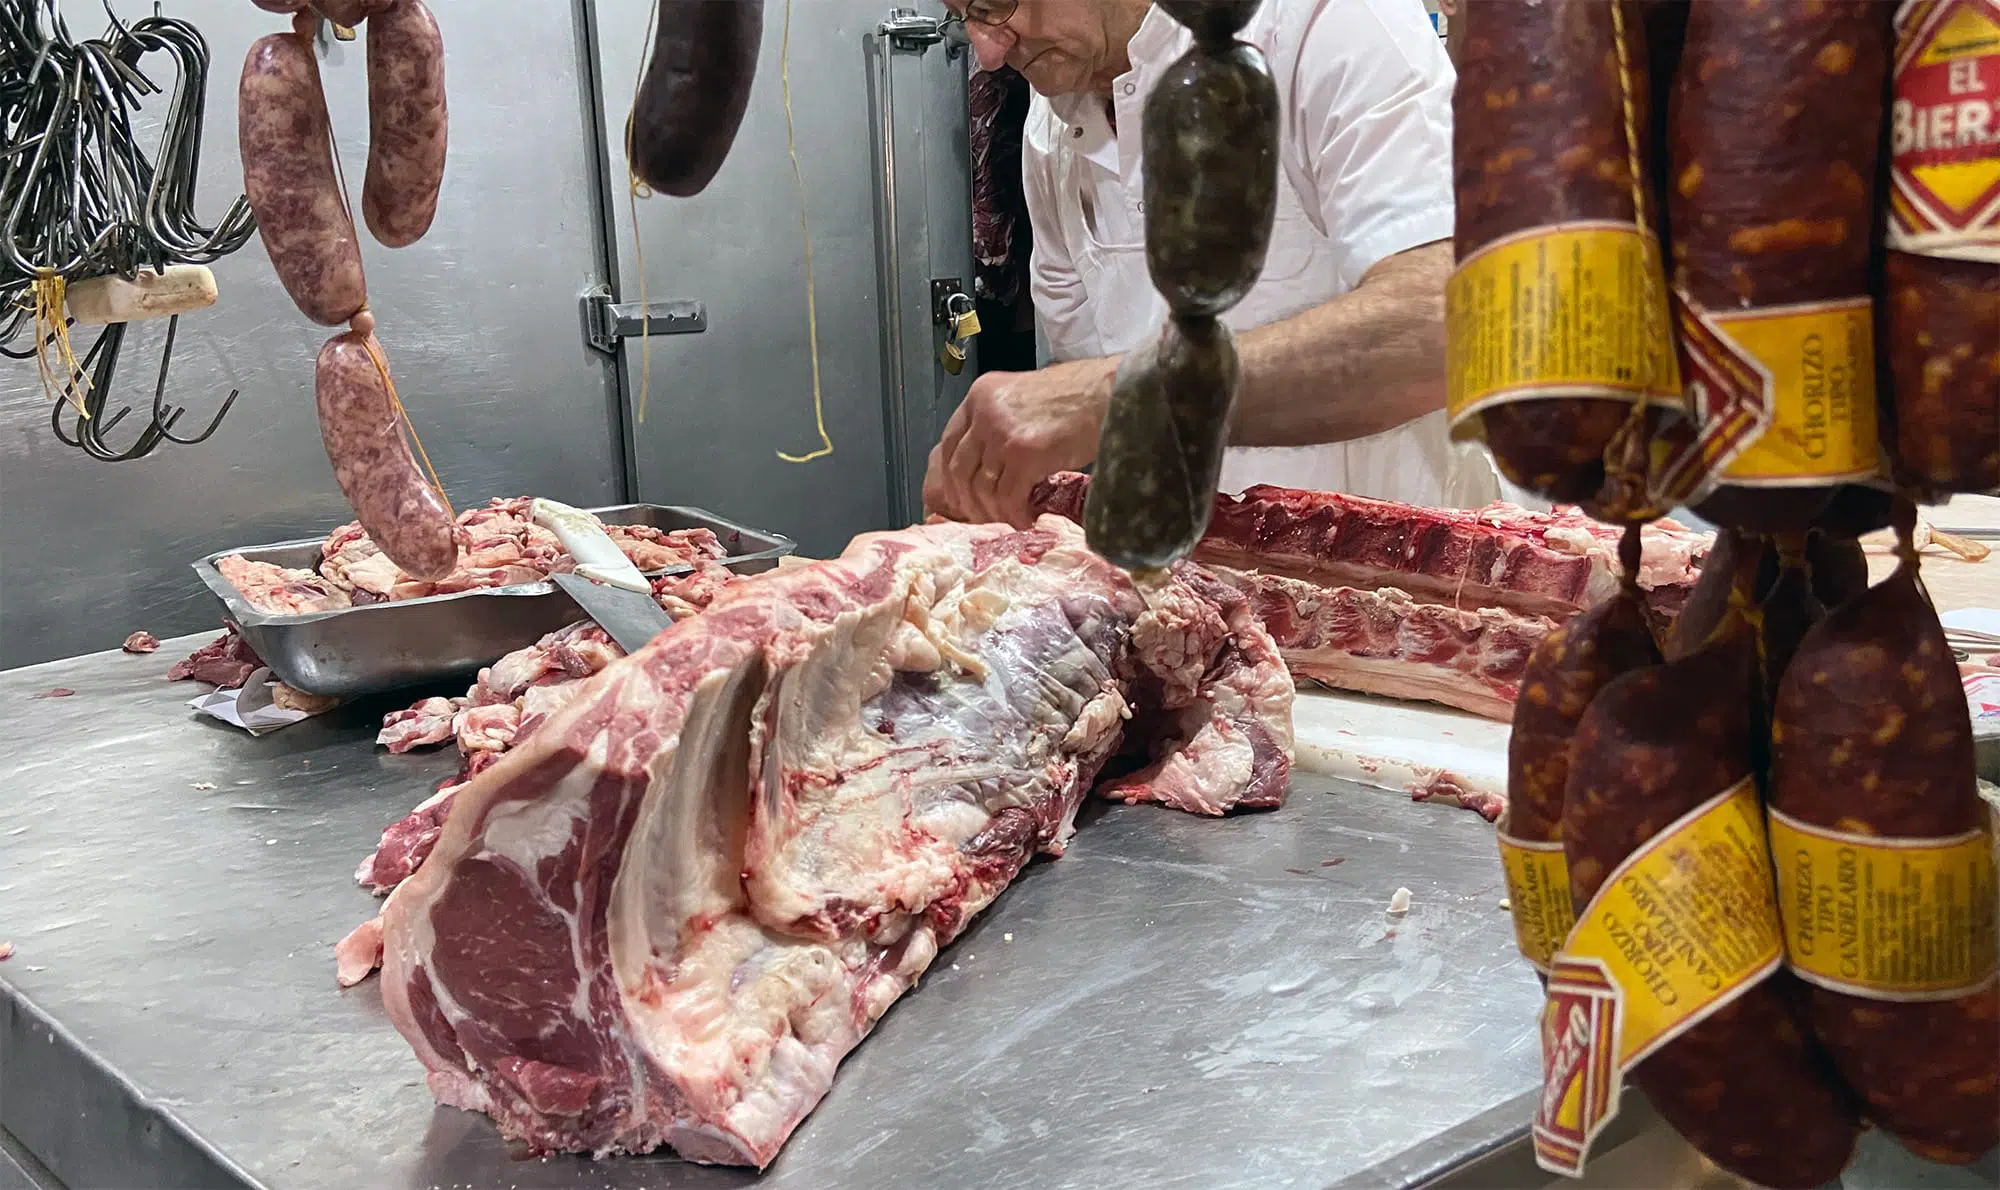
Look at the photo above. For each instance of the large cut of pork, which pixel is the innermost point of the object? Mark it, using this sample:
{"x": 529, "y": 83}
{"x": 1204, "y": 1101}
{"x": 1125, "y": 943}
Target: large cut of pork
{"x": 1438, "y": 605}
{"x": 665, "y": 917}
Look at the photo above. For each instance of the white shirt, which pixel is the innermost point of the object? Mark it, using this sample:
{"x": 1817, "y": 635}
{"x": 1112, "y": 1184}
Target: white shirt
{"x": 1365, "y": 149}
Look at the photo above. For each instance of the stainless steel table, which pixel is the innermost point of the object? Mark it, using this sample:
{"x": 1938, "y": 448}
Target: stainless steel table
{"x": 1177, "y": 1003}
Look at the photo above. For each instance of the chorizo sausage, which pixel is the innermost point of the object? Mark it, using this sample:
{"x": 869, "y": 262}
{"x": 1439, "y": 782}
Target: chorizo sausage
{"x": 406, "y": 124}
{"x": 289, "y": 178}
{"x": 1551, "y": 114}
{"x": 1942, "y": 285}
{"x": 1776, "y": 134}
{"x": 693, "y": 95}
{"x": 1943, "y": 339}
{"x": 1708, "y": 603}
{"x": 1563, "y": 675}
{"x": 1872, "y": 738}
{"x": 1839, "y": 568}
{"x": 1789, "y": 609}
{"x": 363, "y": 433}
{"x": 1745, "y": 1086}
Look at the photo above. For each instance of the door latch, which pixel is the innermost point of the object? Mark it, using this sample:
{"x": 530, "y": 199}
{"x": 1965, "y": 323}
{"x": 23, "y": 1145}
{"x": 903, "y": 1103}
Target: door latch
{"x": 606, "y": 322}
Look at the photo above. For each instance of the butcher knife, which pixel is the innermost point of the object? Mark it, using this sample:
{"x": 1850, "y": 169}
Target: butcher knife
{"x": 606, "y": 585}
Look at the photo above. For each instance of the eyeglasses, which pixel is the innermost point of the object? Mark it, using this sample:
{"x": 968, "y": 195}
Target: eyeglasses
{"x": 990, "y": 12}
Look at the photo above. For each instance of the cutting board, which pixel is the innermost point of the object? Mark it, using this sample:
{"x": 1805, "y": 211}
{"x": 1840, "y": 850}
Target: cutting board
{"x": 1428, "y": 752}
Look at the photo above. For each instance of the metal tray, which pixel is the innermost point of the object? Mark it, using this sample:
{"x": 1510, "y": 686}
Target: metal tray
{"x": 384, "y": 646}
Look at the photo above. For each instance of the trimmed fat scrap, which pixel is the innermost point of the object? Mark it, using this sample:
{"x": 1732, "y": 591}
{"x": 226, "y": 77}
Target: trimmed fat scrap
{"x": 666, "y": 916}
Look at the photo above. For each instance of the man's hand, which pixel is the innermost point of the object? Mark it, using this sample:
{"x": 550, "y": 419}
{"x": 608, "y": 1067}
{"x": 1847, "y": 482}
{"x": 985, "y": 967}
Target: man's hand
{"x": 1014, "y": 430}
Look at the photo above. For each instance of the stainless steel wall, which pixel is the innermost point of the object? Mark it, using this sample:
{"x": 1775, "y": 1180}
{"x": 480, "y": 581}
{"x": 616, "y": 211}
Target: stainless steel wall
{"x": 723, "y": 403}
{"x": 479, "y": 320}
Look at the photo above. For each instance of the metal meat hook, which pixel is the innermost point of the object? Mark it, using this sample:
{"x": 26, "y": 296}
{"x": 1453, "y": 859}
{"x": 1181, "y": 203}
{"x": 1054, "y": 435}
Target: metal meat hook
{"x": 166, "y": 420}
{"x": 100, "y": 366}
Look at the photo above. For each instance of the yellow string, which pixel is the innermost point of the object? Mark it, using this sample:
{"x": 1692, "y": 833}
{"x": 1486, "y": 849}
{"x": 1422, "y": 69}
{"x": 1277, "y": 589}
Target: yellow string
{"x": 51, "y": 330}
{"x": 368, "y": 341}
{"x": 805, "y": 228}
{"x": 636, "y": 189}
{"x": 403, "y": 418}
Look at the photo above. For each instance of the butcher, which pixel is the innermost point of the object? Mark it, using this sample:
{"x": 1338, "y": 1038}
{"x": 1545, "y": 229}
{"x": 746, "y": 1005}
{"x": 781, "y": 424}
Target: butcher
{"x": 1341, "y": 340}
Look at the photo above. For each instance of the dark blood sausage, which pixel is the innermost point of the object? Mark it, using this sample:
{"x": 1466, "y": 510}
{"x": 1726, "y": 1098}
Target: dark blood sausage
{"x": 1872, "y": 737}
{"x": 1540, "y": 138}
{"x": 1211, "y": 144}
{"x": 1158, "y": 458}
{"x": 350, "y": 13}
{"x": 364, "y": 442}
{"x": 1776, "y": 124}
{"x": 406, "y": 123}
{"x": 289, "y": 178}
{"x": 1744, "y": 1086}
{"x": 1943, "y": 341}
{"x": 694, "y": 92}
{"x": 1211, "y": 178}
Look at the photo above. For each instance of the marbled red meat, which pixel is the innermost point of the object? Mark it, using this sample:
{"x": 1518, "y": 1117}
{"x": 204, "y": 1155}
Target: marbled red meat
{"x": 665, "y": 917}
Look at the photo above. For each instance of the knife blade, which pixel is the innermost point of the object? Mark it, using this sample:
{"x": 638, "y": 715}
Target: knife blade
{"x": 632, "y": 619}
{"x": 606, "y": 585}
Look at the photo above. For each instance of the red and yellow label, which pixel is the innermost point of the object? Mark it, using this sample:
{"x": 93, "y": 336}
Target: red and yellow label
{"x": 1887, "y": 919}
{"x": 1575, "y": 310}
{"x": 1685, "y": 925}
{"x": 1538, "y": 896}
{"x": 1784, "y": 396}
{"x": 1944, "y": 125}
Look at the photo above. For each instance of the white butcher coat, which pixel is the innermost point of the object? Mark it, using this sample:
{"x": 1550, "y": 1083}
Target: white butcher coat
{"x": 1365, "y": 145}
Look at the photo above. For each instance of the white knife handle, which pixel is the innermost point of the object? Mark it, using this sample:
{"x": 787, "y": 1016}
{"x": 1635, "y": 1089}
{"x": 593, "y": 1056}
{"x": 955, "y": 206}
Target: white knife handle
{"x": 598, "y": 558}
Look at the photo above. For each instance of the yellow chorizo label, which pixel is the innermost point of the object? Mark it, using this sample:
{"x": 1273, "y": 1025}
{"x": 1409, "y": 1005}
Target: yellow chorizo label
{"x": 1944, "y": 130}
{"x": 1538, "y": 895}
{"x": 1784, "y": 396}
{"x": 1574, "y": 310}
{"x": 1887, "y": 919}
{"x": 1685, "y": 925}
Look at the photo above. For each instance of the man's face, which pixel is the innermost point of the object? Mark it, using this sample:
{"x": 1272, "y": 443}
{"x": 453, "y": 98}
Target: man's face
{"x": 1062, "y": 47}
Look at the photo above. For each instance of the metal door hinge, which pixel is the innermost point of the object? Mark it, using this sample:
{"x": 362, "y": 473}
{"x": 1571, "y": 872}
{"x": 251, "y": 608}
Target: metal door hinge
{"x": 605, "y": 322}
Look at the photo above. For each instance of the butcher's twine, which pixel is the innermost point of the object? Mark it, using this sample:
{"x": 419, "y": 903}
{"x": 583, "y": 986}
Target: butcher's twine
{"x": 52, "y": 331}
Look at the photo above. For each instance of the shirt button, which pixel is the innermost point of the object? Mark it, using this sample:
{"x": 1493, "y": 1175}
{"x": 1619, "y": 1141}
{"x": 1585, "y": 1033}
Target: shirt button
{"x": 1076, "y": 131}
{"x": 1131, "y": 87}
{"x": 1142, "y": 207}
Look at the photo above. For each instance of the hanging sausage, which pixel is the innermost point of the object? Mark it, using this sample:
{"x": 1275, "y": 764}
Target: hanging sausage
{"x": 1942, "y": 305}
{"x": 1211, "y": 150}
{"x": 294, "y": 186}
{"x": 1558, "y": 348}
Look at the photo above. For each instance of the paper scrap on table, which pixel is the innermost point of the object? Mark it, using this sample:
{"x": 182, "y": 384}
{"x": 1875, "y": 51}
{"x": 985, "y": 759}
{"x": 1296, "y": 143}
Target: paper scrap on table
{"x": 252, "y": 707}
{"x": 1973, "y": 619}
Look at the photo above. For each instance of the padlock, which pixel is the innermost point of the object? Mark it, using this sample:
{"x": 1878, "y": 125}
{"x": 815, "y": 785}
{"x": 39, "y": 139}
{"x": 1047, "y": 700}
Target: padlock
{"x": 952, "y": 356}
{"x": 963, "y": 315}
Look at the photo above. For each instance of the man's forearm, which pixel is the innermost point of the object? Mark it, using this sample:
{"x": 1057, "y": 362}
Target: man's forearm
{"x": 1365, "y": 362}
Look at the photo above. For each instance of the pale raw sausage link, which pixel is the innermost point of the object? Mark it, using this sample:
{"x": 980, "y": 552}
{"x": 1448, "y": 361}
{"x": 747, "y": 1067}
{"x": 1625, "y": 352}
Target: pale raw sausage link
{"x": 364, "y": 442}
{"x": 406, "y": 124}
{"x": 289, "y": 178}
